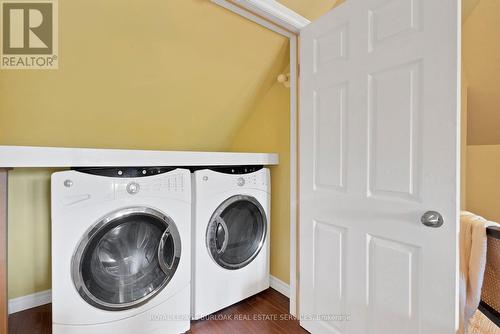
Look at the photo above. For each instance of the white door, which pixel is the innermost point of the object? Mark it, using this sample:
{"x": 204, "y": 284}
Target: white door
{"x": 378, "y": 148}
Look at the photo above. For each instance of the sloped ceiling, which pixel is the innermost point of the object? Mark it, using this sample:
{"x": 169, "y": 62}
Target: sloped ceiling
{"x": 481, "y": 59}
{"x": 154, "y": 74}
{"x": 467, "y": 8}
{"x": 311, "y": 9}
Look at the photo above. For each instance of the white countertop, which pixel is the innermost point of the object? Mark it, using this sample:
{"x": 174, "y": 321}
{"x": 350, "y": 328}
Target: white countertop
{"x": 30, "y": 156}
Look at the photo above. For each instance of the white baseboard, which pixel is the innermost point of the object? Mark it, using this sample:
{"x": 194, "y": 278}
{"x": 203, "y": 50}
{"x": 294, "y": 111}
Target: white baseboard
{"x": 279, "y": 286}
{"x": 44, "y": 297}
{"x": 29, "y": 301}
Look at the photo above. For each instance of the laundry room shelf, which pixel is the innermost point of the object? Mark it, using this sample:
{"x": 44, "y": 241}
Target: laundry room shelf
{"x": 30, "y": 156}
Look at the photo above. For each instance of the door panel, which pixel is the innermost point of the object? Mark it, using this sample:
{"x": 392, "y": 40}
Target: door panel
{"x": 378, "y": 148}
{"x": 393, "y": 291}
{"x": 392, "y": 20}
{"x": 329, "y": 147}
{"x": 393, "y": 132}
{"x": 329, "y": 272}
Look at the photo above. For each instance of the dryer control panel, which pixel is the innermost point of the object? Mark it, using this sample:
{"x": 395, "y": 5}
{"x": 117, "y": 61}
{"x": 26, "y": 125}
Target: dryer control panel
{"x": 212, "y": 181}
{"x": 251, "y": 180}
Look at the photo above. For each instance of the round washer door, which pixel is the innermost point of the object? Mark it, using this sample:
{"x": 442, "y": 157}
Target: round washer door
{"x": 236, "y": 232}
{"x": 127, "y": 258}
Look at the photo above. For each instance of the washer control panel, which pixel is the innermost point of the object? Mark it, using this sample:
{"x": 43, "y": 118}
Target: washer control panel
{"x": 146, "y": 187}
{"x": 77, "y": 188}
{"x": 125, "y": 172}
{"x": 240, "y": 181}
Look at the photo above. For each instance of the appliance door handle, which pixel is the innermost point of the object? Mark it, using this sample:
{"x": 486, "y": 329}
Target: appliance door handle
{"x": 167, "y": 267}
{"x": 221, "y": 223}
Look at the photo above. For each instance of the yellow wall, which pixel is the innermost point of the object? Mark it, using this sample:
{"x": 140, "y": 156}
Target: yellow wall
{"x": 463, "y": 142}
{"x": 483, "y": 181}
{"x": 480, "y": 101}
{"x": 29, "y": 231}
{"x": 481, "y": 54}
{"x": 267, "y": 130}
{"x": 180, "y": 74}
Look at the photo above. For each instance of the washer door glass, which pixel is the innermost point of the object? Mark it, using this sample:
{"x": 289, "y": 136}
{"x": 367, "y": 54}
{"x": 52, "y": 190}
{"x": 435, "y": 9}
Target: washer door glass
{"x": 126, "y": 258}
{"x": 236, "y": 232}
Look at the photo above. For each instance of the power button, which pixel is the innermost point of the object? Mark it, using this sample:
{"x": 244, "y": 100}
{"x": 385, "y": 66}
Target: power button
{"x": 240, "y": 182}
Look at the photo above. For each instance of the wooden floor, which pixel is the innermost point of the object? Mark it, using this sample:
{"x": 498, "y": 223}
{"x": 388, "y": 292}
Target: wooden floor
{"x": 266, "y": 312}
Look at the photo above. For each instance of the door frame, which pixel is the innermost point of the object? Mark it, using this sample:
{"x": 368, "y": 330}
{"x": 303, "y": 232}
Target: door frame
{"x": 4, "y": 303}
{"x": 286, "y": 22}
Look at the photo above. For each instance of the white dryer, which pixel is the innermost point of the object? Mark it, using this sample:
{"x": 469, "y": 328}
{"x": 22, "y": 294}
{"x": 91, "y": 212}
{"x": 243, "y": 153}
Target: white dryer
{"x": 121, "y": 251}
{"x": 230, "y": 237}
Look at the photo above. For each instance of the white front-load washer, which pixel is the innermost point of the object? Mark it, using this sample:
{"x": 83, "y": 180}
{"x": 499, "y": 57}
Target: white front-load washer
{"x": 230, "y": 237}
{"x": 121, "y": 251}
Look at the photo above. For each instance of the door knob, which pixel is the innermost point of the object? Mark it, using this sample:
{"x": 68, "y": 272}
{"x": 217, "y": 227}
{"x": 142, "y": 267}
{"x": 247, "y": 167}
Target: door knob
{"x": 432, "y": 219}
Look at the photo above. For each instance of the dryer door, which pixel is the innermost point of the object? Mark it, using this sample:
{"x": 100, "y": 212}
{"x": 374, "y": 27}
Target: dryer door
{"x": 236, "y": 232}
{"x": 126, "y": 258}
